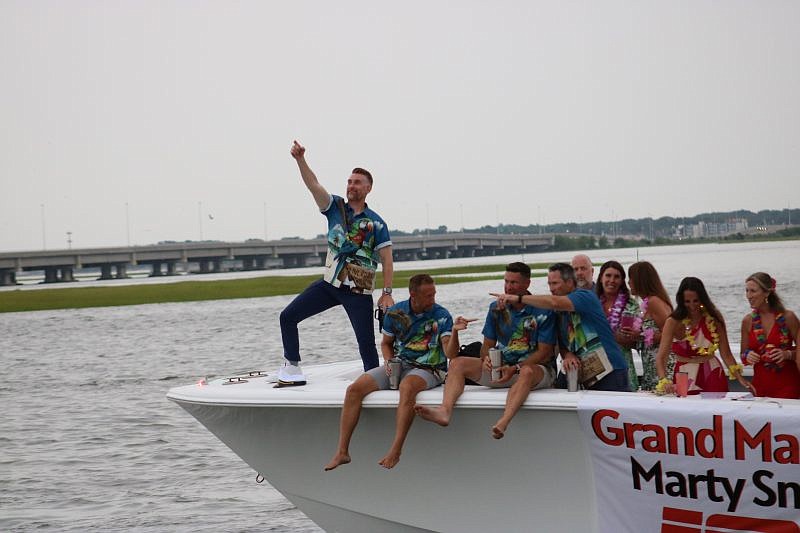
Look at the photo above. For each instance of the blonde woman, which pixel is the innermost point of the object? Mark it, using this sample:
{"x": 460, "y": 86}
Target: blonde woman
{"x": 769, "y": 340}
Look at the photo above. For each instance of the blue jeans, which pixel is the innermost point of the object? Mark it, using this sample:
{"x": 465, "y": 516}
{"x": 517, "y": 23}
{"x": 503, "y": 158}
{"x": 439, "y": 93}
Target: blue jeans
{"x": 321, "y": 296}
{"x": 617, "y": 380}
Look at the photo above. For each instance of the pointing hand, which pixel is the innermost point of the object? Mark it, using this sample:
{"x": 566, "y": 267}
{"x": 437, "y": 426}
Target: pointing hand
{"x": 298, "y": 150}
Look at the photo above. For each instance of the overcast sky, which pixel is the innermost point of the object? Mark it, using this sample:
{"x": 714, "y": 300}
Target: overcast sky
{"x": 132, "y": 121}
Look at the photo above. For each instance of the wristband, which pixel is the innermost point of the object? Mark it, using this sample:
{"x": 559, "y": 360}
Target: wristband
{"x": 744, "y": 357}
{"x": 519, "y": 298}
{"x": 734, "y": 371}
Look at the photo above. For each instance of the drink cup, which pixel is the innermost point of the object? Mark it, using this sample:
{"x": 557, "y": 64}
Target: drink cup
{"x": 682, "y": 384}
{"x": 627, "y": 321}
{"x": 395, "y": 369}
{"x": 572, "y": 380}
{"x": 496, "y": 358}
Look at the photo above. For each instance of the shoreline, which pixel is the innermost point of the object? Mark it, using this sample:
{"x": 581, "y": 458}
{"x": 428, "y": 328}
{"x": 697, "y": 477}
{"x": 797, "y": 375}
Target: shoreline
{"x": 194, "y": 290}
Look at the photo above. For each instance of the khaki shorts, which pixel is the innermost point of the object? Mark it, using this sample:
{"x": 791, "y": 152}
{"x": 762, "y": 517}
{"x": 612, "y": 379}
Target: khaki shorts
{"x": 380, "y": 377}
{"x": 546, "y": 382}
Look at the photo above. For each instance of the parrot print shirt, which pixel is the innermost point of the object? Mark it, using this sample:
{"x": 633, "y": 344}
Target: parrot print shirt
{"x": 357, "y": 242}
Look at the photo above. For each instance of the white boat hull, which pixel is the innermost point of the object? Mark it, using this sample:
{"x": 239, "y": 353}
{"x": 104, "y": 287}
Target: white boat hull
{"x": 539, "y": 477}
{"x": 449, "y": 479}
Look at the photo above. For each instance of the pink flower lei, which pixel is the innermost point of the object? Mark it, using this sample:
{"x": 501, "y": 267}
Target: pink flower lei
{"x": 616, "y": 311}
{"x": 649, "y": 333}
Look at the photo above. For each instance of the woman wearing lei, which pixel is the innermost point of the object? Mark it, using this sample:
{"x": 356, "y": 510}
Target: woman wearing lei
{"x": 694, "y": 332}
{"x": 655, "y": 307}
{"x": 622, "y": 312}
{"x": 769, "y": 340}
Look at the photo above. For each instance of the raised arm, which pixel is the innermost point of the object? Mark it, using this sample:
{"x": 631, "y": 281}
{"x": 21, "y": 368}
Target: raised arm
{"x": 452, "y": 343}
{"x": 542, "y": 301}
{"x": 321, "y": 196}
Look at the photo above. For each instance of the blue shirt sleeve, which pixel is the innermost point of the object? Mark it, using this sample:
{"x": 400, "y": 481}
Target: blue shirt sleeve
{"x": 488, "y": 325}
{"x": 382, "y": 237}
{"x": 389, "y": 323}
{"x": 446, "y": 328}
{"x": 331, "y": 202}
{"x": 547, "y": 329}
{"x": 586, "y": 303}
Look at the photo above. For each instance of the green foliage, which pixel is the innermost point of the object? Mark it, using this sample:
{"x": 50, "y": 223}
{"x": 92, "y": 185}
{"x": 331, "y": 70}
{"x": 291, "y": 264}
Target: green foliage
{"x": 192, "y": 291}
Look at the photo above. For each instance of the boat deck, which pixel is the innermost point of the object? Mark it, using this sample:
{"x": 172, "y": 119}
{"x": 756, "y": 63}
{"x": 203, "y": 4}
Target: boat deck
{"x": 326, "y": 387}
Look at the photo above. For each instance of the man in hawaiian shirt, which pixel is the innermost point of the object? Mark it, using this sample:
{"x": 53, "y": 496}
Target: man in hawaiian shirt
{"x": 421, "y": 333}
{"x": 585, "y": 338}
{"x": 357, "y": 239}
{"x": 525, "y": 336}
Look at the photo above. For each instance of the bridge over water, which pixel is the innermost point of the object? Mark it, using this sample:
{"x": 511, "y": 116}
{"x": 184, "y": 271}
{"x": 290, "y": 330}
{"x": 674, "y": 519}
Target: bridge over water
{"x": 204, "y": 257}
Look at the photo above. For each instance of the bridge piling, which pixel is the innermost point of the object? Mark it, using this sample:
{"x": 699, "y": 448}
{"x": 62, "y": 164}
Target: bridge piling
{"x": 156, "y": 270}
{"x": 105, "y": 272}
{"x": 7, "y": 277}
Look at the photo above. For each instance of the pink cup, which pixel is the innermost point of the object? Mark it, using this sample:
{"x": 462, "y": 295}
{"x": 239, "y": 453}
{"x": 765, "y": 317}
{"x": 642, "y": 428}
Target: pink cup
{"x": 682, "y": 384}
{"x": 627, "y": 321}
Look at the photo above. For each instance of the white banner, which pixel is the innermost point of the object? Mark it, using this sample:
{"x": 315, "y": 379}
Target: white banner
{"x": 682, "y": 465}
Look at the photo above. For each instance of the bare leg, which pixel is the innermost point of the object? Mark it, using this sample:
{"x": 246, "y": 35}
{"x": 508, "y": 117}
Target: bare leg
{"x": 461, "y": 368}
{"x": 351, "y": 410}
{"x": 409, "y": 388}
{"x": 529, "y": 377}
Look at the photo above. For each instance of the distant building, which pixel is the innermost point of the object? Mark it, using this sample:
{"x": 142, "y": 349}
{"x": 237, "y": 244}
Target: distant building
{"x": 719, "y": 229}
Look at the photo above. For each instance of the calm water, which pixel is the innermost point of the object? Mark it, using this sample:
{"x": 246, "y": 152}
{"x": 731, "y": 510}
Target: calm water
{"x": 89, "y": 442}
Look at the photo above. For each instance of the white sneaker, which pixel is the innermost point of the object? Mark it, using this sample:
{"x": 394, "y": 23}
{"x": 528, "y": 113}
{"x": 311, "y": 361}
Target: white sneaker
{"x": 290, "y": 376}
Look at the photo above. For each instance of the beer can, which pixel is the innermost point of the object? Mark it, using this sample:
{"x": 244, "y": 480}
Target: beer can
{"x": 496, "y": 358}
{"x": 572, "y": 380}
{"x": 395, "y": 369}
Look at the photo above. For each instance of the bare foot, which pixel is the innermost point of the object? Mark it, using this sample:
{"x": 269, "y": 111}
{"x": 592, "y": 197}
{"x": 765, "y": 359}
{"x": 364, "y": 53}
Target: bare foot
{"x": 390, "y": 460}
{"x": 437, "y": 415}
{"x": 338, "y": 459}
{"x": 498, "y": 432}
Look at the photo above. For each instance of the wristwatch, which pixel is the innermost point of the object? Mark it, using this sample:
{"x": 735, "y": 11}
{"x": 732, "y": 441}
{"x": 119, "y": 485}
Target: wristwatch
{"x": 387, "y": 290}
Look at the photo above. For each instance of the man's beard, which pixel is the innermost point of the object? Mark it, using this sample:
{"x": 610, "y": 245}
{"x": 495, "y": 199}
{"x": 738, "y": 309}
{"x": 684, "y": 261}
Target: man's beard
{"x": 355, "y": 195}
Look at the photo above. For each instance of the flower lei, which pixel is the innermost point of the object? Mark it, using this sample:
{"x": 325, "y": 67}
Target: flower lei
{"x": 649, "y": 333}
{"x": 761, "y": 335}
{"x": 616, "y": 310}
{"x": 660, "y": 386}
{"x": 712, "y": 328}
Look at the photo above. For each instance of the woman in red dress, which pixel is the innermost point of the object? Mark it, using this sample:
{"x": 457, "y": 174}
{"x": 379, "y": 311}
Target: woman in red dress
{"x": 693, "y": 333}
{"x": 769, "y": 340}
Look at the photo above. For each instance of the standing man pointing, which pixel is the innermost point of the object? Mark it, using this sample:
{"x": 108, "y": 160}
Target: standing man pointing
{"x": 358, "y": 239}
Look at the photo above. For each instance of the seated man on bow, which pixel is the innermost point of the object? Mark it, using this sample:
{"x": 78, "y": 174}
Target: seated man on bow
{"x": 585, "y": 337}
{"x": 419, "y": 332}
{"x": 525, "y": 336}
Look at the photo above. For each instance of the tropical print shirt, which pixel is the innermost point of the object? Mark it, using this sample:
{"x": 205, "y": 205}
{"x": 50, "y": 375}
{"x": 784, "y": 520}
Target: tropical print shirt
{"x": 519, "y": 332}
{"x": 418, "y": 336}
{"x": 586, "y": 328}
{"x": 356, "y": 240}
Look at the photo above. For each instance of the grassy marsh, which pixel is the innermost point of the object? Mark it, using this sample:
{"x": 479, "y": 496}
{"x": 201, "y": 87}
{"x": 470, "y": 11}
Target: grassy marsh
{"x": 76, "y": 297}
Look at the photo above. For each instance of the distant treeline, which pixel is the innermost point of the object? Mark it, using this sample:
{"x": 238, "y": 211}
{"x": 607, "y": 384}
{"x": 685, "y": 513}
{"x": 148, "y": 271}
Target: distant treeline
{"x": 664, "y": 227}
{"x": 563, "y": 242}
